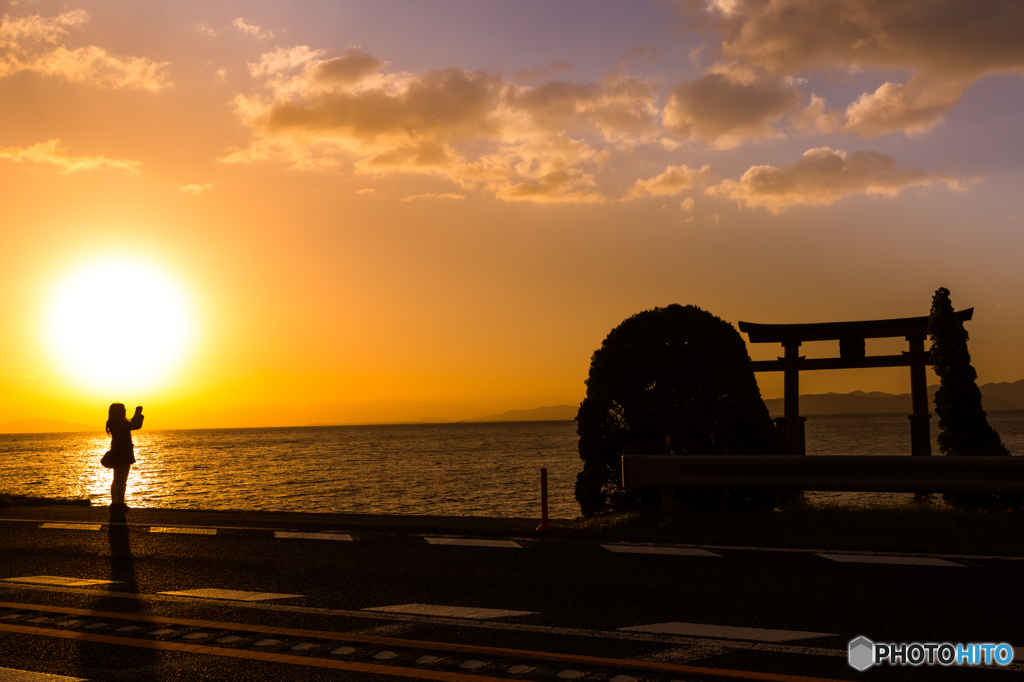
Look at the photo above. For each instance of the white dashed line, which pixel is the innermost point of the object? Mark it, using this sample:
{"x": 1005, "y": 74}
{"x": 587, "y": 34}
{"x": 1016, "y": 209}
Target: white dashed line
{"x": 472, "y": 542}
{"x": 312, "y": 536}
{"x": 186, "y": 530}
{"x": 12, "y": 675}
{"x": 60, "y": 581}
{"x": 659, "y": 549}
{"x": 724, "y": 632}
{"x": 875, "y": 559}
{"x": 472, "y": 664}
{"x": 72, "y": 526}
{"x": 233, "y": 595}
{"x": 449, "y": 611}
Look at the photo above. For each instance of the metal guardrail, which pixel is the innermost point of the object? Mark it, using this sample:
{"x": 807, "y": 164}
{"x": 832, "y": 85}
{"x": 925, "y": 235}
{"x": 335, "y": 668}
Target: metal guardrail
{"x": 840, "y": 473}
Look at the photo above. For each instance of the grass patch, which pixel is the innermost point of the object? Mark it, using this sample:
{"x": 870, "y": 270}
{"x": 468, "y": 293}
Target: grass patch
{"x": 8, "y": 500}
{"x": 928, "y": 527}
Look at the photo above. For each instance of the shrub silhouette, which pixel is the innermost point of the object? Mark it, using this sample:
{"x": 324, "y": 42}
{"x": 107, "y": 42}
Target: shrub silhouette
{"x": 964, "y": 428}
{"x": 679, "y": 371}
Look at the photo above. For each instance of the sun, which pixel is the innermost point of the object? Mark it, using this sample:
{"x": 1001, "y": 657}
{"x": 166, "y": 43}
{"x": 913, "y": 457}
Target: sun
{"x": 119, "y": 324}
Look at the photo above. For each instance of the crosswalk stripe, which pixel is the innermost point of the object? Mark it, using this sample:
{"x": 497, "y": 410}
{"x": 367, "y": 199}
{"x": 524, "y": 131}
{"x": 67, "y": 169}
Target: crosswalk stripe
{"x": 233, "y": 595}
{"x": 312, "y": 536}
{"x": 724, "y": 632}
{"x": 449, "y": 611}
{"x": 186, "y": 530}
{"x": 659, "y": 549}
{"x": 875, "y": 559}
{"x": 472, "y": 542}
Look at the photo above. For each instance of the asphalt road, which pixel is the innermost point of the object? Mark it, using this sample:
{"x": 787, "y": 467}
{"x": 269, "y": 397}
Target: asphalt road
{"x": 782, "y": 613}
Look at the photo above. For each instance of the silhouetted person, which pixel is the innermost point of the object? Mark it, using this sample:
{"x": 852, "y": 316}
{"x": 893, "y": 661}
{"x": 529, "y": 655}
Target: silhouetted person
{"x": 122, "y": 452}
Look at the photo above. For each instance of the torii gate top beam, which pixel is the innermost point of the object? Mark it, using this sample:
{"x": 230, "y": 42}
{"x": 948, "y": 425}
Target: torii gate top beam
{"x": 830, "y": 331}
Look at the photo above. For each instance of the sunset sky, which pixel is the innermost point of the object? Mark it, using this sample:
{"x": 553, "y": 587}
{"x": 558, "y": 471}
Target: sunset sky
{"x": 308, "y": 203}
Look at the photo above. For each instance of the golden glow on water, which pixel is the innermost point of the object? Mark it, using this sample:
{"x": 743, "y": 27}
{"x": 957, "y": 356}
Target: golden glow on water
{"x": 119, "y": 324}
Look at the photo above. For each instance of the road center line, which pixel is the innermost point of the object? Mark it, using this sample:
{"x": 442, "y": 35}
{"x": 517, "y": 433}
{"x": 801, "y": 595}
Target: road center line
{"x": 659, "y": 549}
{"x": 72, "y": 526}
{"x": 904, "y": 560}
{"x": 187, "y": 530}
{"x": 387, "y": 641}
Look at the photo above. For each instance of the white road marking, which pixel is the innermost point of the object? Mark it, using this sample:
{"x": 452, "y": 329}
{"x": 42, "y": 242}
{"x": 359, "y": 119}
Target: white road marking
{"x": 622, "y": 678}
{"x": 196, "y": 635}
{"x": 472, "y": 542}
{"x": 343, "y": 650}
{"x": 312, "y": 536}
{"x": 423, "y": 660}
{"x": 302, "y": 646}
{"x": 570, "y": 674}
{"x": 72, "y": 526}
{"x": 11, "y": 616}
{"x": 875, "y": 559}
{"x": 60, "y": 581}
{"x": 266, "y": 642}
{"x": 724, "y": 631}
{"x": 40, "y": 619}
{"x": 187, "y": 530}
{"x": 516, "y": 669}
{"x": 384, "y": 655}
{"x": 95, "y": 626}
{"x": 12, "y": 675}
{"x": 472, "y": 664}
{"x": 449, "y": 611}
{"x": 229, "y": 639}
{"x": 128, "y": 628}
{"x": 161, "y": 631}
{"x": 233, "y": 595}
{"x": 655, "y": 549}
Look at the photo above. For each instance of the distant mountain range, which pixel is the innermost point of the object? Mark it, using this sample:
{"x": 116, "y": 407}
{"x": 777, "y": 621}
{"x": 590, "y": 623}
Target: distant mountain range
{"x": 538, "y": 414}
{"x": 994, "y": 396}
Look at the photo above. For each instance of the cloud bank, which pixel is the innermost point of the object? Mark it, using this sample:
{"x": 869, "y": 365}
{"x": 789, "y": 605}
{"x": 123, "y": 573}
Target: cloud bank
{"x": 823, "y": 176}
{"x": 51, "y": 153}
{"x": 31, "y": 44}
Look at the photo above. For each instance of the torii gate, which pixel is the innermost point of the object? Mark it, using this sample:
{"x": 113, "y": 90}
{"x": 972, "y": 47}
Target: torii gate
{"x": 851, "y": 337}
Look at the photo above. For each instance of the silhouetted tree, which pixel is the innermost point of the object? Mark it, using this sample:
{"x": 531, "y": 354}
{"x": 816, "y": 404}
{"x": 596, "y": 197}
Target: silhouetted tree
{"x": 963, "y": 424}
{"x": 679, "y": 371}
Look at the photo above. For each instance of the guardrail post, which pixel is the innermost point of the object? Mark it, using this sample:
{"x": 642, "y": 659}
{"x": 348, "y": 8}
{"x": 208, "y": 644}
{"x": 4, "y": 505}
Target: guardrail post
{"x": 544, "y": 500}
{"x": 666, "y": 493}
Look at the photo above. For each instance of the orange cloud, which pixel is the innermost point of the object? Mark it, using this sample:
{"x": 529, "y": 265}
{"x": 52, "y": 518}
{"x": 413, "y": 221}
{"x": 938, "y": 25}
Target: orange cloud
{"x": 947, "y": 44}
{"x": 197, "y": 189}
{"x": 523, "y": 143}
{"x": 823, "y": 176}
{"x": 29, "y": 44}
{"x": 51, "y": 153}
{"x": 417, "y": 197}
{"x": 728, "y": 105}
{"x": 251, "y": 29}
{"x": 672, "y": 181}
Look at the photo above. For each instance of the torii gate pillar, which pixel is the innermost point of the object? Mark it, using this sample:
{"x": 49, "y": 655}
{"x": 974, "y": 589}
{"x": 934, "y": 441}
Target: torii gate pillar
{"x": 851, "y": 337}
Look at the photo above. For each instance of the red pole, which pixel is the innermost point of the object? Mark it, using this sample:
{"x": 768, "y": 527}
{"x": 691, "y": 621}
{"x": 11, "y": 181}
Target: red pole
{"x": 544, "y": 500}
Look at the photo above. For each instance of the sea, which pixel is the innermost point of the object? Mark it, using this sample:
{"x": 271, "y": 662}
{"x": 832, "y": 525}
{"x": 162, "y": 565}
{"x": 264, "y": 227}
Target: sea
{"x": 460, "y": 469}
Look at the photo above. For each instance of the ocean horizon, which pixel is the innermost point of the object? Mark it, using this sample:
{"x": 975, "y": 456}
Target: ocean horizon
{"x": 444, "y": 469}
